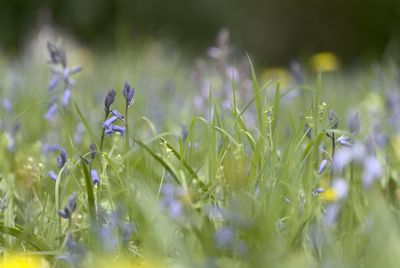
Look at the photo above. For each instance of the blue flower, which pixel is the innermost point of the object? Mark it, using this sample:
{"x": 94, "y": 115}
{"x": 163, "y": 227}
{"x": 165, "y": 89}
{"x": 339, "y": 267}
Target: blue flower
{"x": 115, "y": 129}
{"x": 322, "y": 166}
{"x": 7, "y": 105}
{"x": 118, "y": 115}
{"x": 109, "y": 121}
{"x": 128, "y": 91}
{"x": 92, "y": 151}
{"x": 95, "y": 176}
{"x": 224, "y": 237}
{"x": 52, "y": 175}
{"x": 109, "y": 99}
{"x": 51, "y": 111}
{"x": 67, "y": 211}
{"x": 53, "y": 82}
{"x": 66, "y": 97}
{"x": 76, "y": 252}
{"x": 61, "y": 159}
{"x": 47, "y": 148}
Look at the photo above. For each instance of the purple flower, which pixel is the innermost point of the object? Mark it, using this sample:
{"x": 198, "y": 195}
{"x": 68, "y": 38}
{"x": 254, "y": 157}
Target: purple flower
{"x": 117, "y": 114}
{"x": 108, "y": 238}
{"x": 52, "y": 175}
{"x": 224, "y": 237}
{"x": 92, "y": 151}
{"x": 322, "y": 166}
{"x": 128, "y": 91}
{"x": 7, "y": 105}
{"x": 67, "y": 211}
{"x": 353, "y": 122}
{"x": 372, "y": 171}
{"x": 115, "y": 129}
{"x": 95, "y": 176}
{"x": 175, "y": 209}
{"x": 331, "y": 214}
{"x": 61, "y": 159}
{"x": 57, "y": 54}
{"x": 66, "y": 97}
{"x": 51, "y": 111}
{"x": 109, "y": 99}
{"x": 53, "y": 82}
{"x": 318, "y": 191}
{"x": 74, "y": 70}
{"x": 109, "y": 121}
{"x": 76, "y": 252}
{"x": 333, "y": 120}
{"x": 47, "y": 148}
{"x": 344, "y": 141}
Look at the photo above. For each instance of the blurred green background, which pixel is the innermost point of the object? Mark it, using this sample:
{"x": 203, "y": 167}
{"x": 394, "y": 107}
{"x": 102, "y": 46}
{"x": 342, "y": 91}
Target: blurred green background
{"x": 272, "y": 31}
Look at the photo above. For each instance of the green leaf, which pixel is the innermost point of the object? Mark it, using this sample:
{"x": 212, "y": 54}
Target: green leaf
{"x": 30, "y": 238}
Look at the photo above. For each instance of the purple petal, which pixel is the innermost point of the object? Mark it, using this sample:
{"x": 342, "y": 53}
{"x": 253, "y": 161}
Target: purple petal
{"x": 53, "y": 83}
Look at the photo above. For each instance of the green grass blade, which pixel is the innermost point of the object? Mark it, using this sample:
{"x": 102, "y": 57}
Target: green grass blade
{"x": 31, "y": 239}
{"x": 89, "y": 192}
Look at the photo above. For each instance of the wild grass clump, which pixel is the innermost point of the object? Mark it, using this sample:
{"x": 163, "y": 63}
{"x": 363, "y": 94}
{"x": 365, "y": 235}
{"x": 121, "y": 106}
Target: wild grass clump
{"x": 145, "y": 160}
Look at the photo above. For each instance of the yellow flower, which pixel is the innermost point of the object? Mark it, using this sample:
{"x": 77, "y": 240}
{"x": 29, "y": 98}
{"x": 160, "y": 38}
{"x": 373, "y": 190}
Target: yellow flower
{"x": 329, "y": 195}
{"x": 276, "y": 74}
{"x": 22, "y": 261}
{"x": 124, "y": 262}
{"x": 325, "y": 62}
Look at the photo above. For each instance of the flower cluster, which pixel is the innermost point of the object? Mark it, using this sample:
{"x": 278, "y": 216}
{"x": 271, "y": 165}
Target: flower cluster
{"x": 67, "y": 211}
{"x": 61, "y": 161}
{"x": 60, "y": 72}
{"x": 109, "y": 125}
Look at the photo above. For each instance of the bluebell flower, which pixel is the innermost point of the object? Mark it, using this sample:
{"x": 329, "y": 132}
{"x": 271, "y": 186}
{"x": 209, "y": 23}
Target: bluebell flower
{"x": 71, "y": 71}
{"x": 109, "y": 99}
{"x": 57, "y": 54}
{"x": 76, "y": 252}
{"x": 108, "y": 238}
{"x": 53, "y": 82}
{"x": 109, "y": 121}
{"x": 61, "y": 159}
{"x": 331, "y": 214}
{"x": 318, "y": 191}
{"x": 322, "y": 166}
{"x": 341, "y": 188}
{"x": 7, "y": 105}
{"x": 372, "y": 171}
{"x": 51, "y": 112}
{"x": 47, "y": 148}
{"x": 52, "y": 175}
{"x": 353, "y": 122}
{"x": 67, "y": 211}
{"x": 344, "y": 141}
{"x": 95, "y": 176}
{"x": 128, "y": 92}
{"x": 118, "y": 115}
{"x": 126, "y": 232}
{"x": 75, "y": 69}
{"x": 115, "y": 129}
{"x": 333, "y": 120}
{"x": 175, "y": 209}
{"x": 66, "y": 97}
{"x": 92, "y": 151}
{"x": 224, "y": 237}
{"x": 171, "y": 200}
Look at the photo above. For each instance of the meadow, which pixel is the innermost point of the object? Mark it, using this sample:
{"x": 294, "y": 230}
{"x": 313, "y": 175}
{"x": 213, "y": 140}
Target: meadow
{"x": 143, "y": 158}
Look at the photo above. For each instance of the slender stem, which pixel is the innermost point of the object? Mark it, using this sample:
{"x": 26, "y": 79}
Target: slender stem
{"x": 126, "y": 137}
{"x": 102, "y": 134}
{"x": 333, "y": 144}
